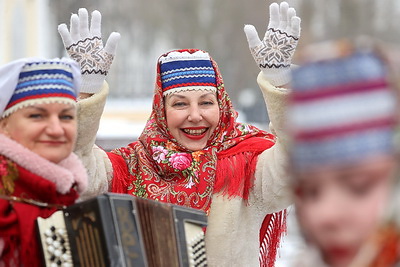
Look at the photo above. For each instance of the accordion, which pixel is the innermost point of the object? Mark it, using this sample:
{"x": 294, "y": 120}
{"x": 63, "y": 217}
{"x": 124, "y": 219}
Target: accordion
{"x": 122, "y": 230}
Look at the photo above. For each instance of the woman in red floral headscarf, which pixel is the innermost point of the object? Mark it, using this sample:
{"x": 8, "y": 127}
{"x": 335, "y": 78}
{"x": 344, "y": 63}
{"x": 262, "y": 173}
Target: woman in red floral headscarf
{"x": 158, "y": 166}
{"x": 194, "y": 153}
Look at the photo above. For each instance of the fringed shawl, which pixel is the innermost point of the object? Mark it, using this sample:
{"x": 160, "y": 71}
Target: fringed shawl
{"x": 158, "y": 167}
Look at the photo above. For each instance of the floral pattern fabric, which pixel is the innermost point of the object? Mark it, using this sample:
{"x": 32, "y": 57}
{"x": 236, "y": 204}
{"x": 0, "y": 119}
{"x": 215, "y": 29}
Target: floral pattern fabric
{"x": 160, "y": 168}
{"x": 8, "y": 174}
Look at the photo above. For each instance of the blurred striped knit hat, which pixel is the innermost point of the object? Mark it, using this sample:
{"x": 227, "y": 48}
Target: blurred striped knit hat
{"x": 184, "y": 71}
{"x": 342, "y": 110}
{"x": 33, "y": 81}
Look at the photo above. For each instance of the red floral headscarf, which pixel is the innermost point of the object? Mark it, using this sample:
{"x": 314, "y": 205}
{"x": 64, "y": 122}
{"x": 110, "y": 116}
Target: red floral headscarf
{"x": 162, "y": 169}
{"x": 158, "y": 167}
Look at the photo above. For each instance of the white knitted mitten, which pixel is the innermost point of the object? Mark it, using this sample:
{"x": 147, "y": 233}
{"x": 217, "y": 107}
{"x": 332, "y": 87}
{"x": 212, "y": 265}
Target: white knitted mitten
{"x": 85, "y": 45}
{"x": 274, "y": 53}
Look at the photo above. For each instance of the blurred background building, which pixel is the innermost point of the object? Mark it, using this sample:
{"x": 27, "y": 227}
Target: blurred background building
{"x": 152, "y": 27}
{"x": 26, "y": 29}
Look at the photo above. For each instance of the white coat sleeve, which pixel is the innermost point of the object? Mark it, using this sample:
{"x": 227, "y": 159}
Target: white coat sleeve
{"x": 272, "y": 183}
{"x": 95, "y": 159}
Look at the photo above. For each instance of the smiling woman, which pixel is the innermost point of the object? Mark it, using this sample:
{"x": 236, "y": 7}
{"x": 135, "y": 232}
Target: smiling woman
{"x": 38, "y": 171}
{"x": 49, "y": 130}
{"x": 192, "y": 117}
{"x": 192, "y": 151}
{"x": 190, "y": 92}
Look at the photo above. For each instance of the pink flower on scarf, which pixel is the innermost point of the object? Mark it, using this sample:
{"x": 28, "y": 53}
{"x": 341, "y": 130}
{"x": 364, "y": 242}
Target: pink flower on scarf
{"x": 181, "y": 161}
{"x": 159, "y": 153}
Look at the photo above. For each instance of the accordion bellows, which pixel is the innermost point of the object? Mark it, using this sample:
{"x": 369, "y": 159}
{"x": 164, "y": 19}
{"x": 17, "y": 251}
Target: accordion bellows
{"x": 122, "y": 230}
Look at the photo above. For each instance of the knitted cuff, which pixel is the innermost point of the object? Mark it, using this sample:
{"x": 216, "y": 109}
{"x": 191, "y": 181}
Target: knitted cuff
{"x": 277, "y": 77}
{"x": 92, "y": 83}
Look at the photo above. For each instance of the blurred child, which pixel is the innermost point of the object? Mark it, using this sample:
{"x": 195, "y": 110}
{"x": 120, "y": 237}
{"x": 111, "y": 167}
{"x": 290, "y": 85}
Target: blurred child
{"x": 342, "y": 116}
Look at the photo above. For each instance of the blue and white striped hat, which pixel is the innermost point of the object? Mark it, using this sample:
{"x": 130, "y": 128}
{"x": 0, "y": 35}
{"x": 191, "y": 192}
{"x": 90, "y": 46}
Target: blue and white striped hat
{"x": 341, "y": 110}
{"x": 30, "y": 81}
{"x": 184, "y": 71}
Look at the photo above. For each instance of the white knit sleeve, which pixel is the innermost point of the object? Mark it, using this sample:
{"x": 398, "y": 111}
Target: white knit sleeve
{"x": 272, "y": 183}
{"x": 95, "y": 159}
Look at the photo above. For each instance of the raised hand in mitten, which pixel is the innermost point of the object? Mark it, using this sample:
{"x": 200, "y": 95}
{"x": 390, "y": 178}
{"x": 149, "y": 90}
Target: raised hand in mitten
{"x": 84, "y": 44}
{"x": 273, "y": 54}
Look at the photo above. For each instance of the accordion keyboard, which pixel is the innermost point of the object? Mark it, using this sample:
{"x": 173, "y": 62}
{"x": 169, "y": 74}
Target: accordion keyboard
{"x": 196, "y": 245}
{"x": 54, "y": 239}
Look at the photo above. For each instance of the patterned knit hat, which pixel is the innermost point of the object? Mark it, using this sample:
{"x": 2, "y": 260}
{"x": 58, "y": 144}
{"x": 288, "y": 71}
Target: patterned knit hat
{"x": 184, "y": 71}
{"x": 32, "y": 81}
{"x": 342, "y": 110}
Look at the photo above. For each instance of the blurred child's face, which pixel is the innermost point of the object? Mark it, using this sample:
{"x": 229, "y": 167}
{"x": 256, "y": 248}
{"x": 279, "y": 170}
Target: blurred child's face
{"x": 338, "y": 208}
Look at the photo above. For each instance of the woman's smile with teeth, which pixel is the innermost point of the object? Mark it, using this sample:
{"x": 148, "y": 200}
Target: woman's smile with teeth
{"x": 195, "y": 131}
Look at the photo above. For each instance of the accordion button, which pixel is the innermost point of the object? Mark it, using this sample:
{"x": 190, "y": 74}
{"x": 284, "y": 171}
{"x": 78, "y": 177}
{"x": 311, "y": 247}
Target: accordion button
{"x": 56, "y": 244}
{"x": 61, "y": 231}
{"x": 57, "y": 253}
{"x": 48, "y": 232}
{"x": 65, "y": 257}
{"x": 51, "y": 249}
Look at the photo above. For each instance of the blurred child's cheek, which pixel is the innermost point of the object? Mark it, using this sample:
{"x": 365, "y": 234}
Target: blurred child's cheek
{"x": 339, "y": 210}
